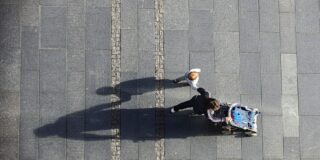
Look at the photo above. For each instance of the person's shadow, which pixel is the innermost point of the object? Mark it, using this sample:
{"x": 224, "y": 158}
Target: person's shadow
{"x": 137, "y": 124}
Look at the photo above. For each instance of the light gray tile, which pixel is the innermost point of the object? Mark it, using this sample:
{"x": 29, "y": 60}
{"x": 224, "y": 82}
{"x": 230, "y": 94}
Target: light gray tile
{"x": 227, "y": 143}
{"x": 75, "y": 60}
{"x": 53, "y": 27}
{"x": 249, "y": 31}
{"x": 76, "y": 38}
{"x": 177, "y": 15}
{"x": 98, "y": 28}
{"x": 226, "y": 16}
{"x": 76, "y": 2}
{"x": 271, "y": 94}
{"x": 75, "y": 101}
{"x": 75, "y": 150}
{"x": 287, "y": 6}
{"x": 250, "y": 81}
{"x": 270, "y": 52}
{"x": 227, "y": 84}
{"x": 53, "y": 148}
{"x": 27, "y": 126}
{"x": 201, "y": 4}
{"x": 146, "y": 4}
{"x": 203, "y": 147}
{"x": 129, "y": 14}
{"x": 269, "y": 15}
{"x": 307, "y": 16}
{"x": 76, "y": 16}
{"x": 177, "y": 149}
{"x": 52, "y": 60}
{"x": 146, "y": 31}
{"x": 226, "y": 52}
{"x": 289, "y": 73}
{"x": 76, "y": 81}
{"x": 9, "y": 37}
{"x": 308, "y": 52}
{"x": 29, "y": 94}
{"x": 290, "y": 114}
{"x": 200, "y": 31}
{"x": 272, "y": 137}
{"x": 248, "y": 5}
{"x": 129, "y": 150}
{"x": 10, "y": 59}
{"x": 146, "y": 64}
{"x": 287, "y": 32}
{"x": 309, "y": 137}
{"x": 30, "y": 16}
{"x": 309, "y": 89}
{"x": 129, "y": 51}
{"x": 30, "y": 59}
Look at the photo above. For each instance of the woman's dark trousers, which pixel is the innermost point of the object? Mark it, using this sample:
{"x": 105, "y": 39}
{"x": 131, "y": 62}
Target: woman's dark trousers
{"x": 186, "y": 104}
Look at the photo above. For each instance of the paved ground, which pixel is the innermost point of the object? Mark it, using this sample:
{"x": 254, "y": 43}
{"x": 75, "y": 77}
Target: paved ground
{"x": 60, "y": 71}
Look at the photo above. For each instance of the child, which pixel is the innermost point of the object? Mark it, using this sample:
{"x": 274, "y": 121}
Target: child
{"x": 192, "y": 77}
{"x": 203, "y": 104}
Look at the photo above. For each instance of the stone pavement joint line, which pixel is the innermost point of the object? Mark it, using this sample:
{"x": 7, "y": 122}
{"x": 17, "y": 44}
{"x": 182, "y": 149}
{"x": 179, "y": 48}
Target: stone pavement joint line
{"x": 159, "y": 75}
{"x": 115, "y": 69}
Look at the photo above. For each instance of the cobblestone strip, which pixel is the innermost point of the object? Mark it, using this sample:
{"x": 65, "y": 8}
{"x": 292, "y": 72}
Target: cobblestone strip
{"x": 159, "y": 74}
{"x": 115, "y": 69}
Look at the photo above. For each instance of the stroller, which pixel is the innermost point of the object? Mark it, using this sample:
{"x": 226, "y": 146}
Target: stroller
{"x": 243, "y": 119}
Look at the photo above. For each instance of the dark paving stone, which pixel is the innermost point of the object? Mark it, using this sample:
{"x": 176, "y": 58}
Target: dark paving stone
{"x": 146, "y": 4}
{"x": 271, "y": 94}
{"x": 9, "y": 2}
{"x": 307, "y": 53}
{"x": 98, "y": 3}
{"x": 53, "y": 27}
{"x": 200, "y": 31}
{"x": 306, "y": 16}
{"x": 30, "y": 59}
{"x": 76, "y": 38}
{"x": 28, "y": 149}
{"x": 147, "y": 124}
{"x": 9, "y": 148}
{"x": 9, "y": 127}
{"x": 29, "y": 94}
{"x": 9, "y": 36}
{"x": 52, "y": 60}
{"x": 51, "y": 128}
{"x": 10, "y": 60}
{"x": 129, "y": 150}
{"x": 270, "y": 52}
{"x": 76, "y": 15}
{"x": 129, "y": 14}
{"x": 75, "y": 127}
{"x": 27, "y": 126}
{"x": 291, "y": 148}
{"x": 269, "y": 15}
{"x": 53, "y": 2}
{"x": 75, "y": 150}
{"x": 249, "y": 31}
{"x": 248, "y": 5}
{"x": 146, "y": 30}
{"x": 176, "y": 48}
{"x": 53, "y": 148}
{"x": 30, "y": 15}
{"x": 309, "y": 136}
{"x": 272, "y": 137}
{"x": 75, "y": 101}
{"x": 53, "y": 82}
{"x": 226, "y": 16}
{"x": 9, "y": 15}
{"x": 177, "y": 15}
{"x": 201, "y": 4}
{"x": 29, "y": 37}
{"x": 75, "y": 60}
{"x": 146, "y": 64}
{"x": 250, "y": 82}
{"x": 98, "y": 28}
{"x": 308, "y": 90}
{"x": 129, "y": 50}
{"x": 76, "y": 81}
{"x": 10, "y": 104}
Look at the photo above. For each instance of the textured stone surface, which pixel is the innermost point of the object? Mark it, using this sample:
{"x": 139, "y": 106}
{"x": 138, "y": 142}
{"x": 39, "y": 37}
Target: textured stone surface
{"x": 309, "y": 129}
{"x": 272, "y": 137}
{"x": 291, "y": 148}
{"x": 249, "y": 31}
{"x": 250, "y": 80}
{"x": 226, "y": 16}
{"x": 307, "y": 16}
{"x": 271, "y": 94}
{"x": 269, "y": 15}
{"x": 177, "y": 15}
{"x": 308, "y": 91}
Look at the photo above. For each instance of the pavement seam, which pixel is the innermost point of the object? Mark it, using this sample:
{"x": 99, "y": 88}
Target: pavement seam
{"x": 115, "y": 69}
{"x": 159, "y": 75}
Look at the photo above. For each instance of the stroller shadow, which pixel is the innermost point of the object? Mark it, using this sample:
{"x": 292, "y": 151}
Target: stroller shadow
{"x": 137, "y": 124}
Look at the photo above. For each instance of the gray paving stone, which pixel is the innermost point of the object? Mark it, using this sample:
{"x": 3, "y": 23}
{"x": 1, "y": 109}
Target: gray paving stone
{"x": 176, "y": 47}
{"x": 27, "y": 126}
{"x": 309, "y": 131}
{"x": 53, "y": 2}
{"x": 248, "y": 5}
{"x": 75, "y": 150}
{"x": 227, "y": 143}
{"x": 76, "y": 38}
{"x": 226, "y": 52}
{"x": 129, "y": 150}
{"x": 53, "y": 27}
{"x": 226, "y": 16}
{"x": 175, "y": 96}
{"x": 9, "y": 15}
{"x": 251, "y": 147}
{"x": 146, "y": 124}
{"x": 76, "y": 16}
{"x": 291, "y": 148}
{"x": 9, "y": 127}
{"x": 53, "y": 148}
{"x": 307, "y": 53}
{"x": 10, "y": 60}
{"x": 148, "y": 4}
{"x": 98, "y": 3}
{"x": 75, "y": 60}
{"x": 204, "y": 61}
{"x": 98, "y": 60}
{"x": 146, "y": 30}
{"x": 287, "y": 6}
{"x": 129, "y": 14}
{"x": 52, "y": 105}
{"x": 272, "y": 137}
{"x": 129, "y": 50}
{"x": 271, "y": 94}
{"x": 287, "y": 32}
{"x": 52, "y": 60}
{"x": 9, "y": 81}
{"x": 76, "y": 81}
{"x": 29, "y": 94}
{"x": 253, "y": 101}
{"x": 307, "y": 16}
{"x": 201, "y": 5}
{"x": 177, "y": 15}
{"x": 200, "y": 31}
{"x": 30, "y": 15}
{"x": 76, "y": 2}
{"x": 75, "y": 101}
{"x": 9, "y": 148}
{"x": 52, "y": 81}
{"x": 97, "y": 149}
{"x": 227, "y": 84}
{"x": 289, "y": 73}
{"x": 290, "y": 112}
{"x": 28, "y": 149}
{"x": 9, "y": 2}
{"x": 98, "y": 28}
{"x": 269, "y": 15}
{"x": 29, "y": 37}
{"x": 203, "y": 147}
{"x": 146, "y": 150}
{"x": 270, "y": 53}
{"x": 250, "y": 82}
{"x": 10, "y": 37}
{"x": 146, "y": 64}
{"x": 30, "y": 59}
{"x": 9, "y": 104}
{"x": 249, "y": 31}
{"x": 308, "y": 90}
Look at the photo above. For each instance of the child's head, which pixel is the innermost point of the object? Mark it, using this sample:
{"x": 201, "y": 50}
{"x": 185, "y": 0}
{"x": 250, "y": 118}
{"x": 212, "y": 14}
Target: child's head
{"x": 214, "y": 104}
{"x": 193, "y": 75}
